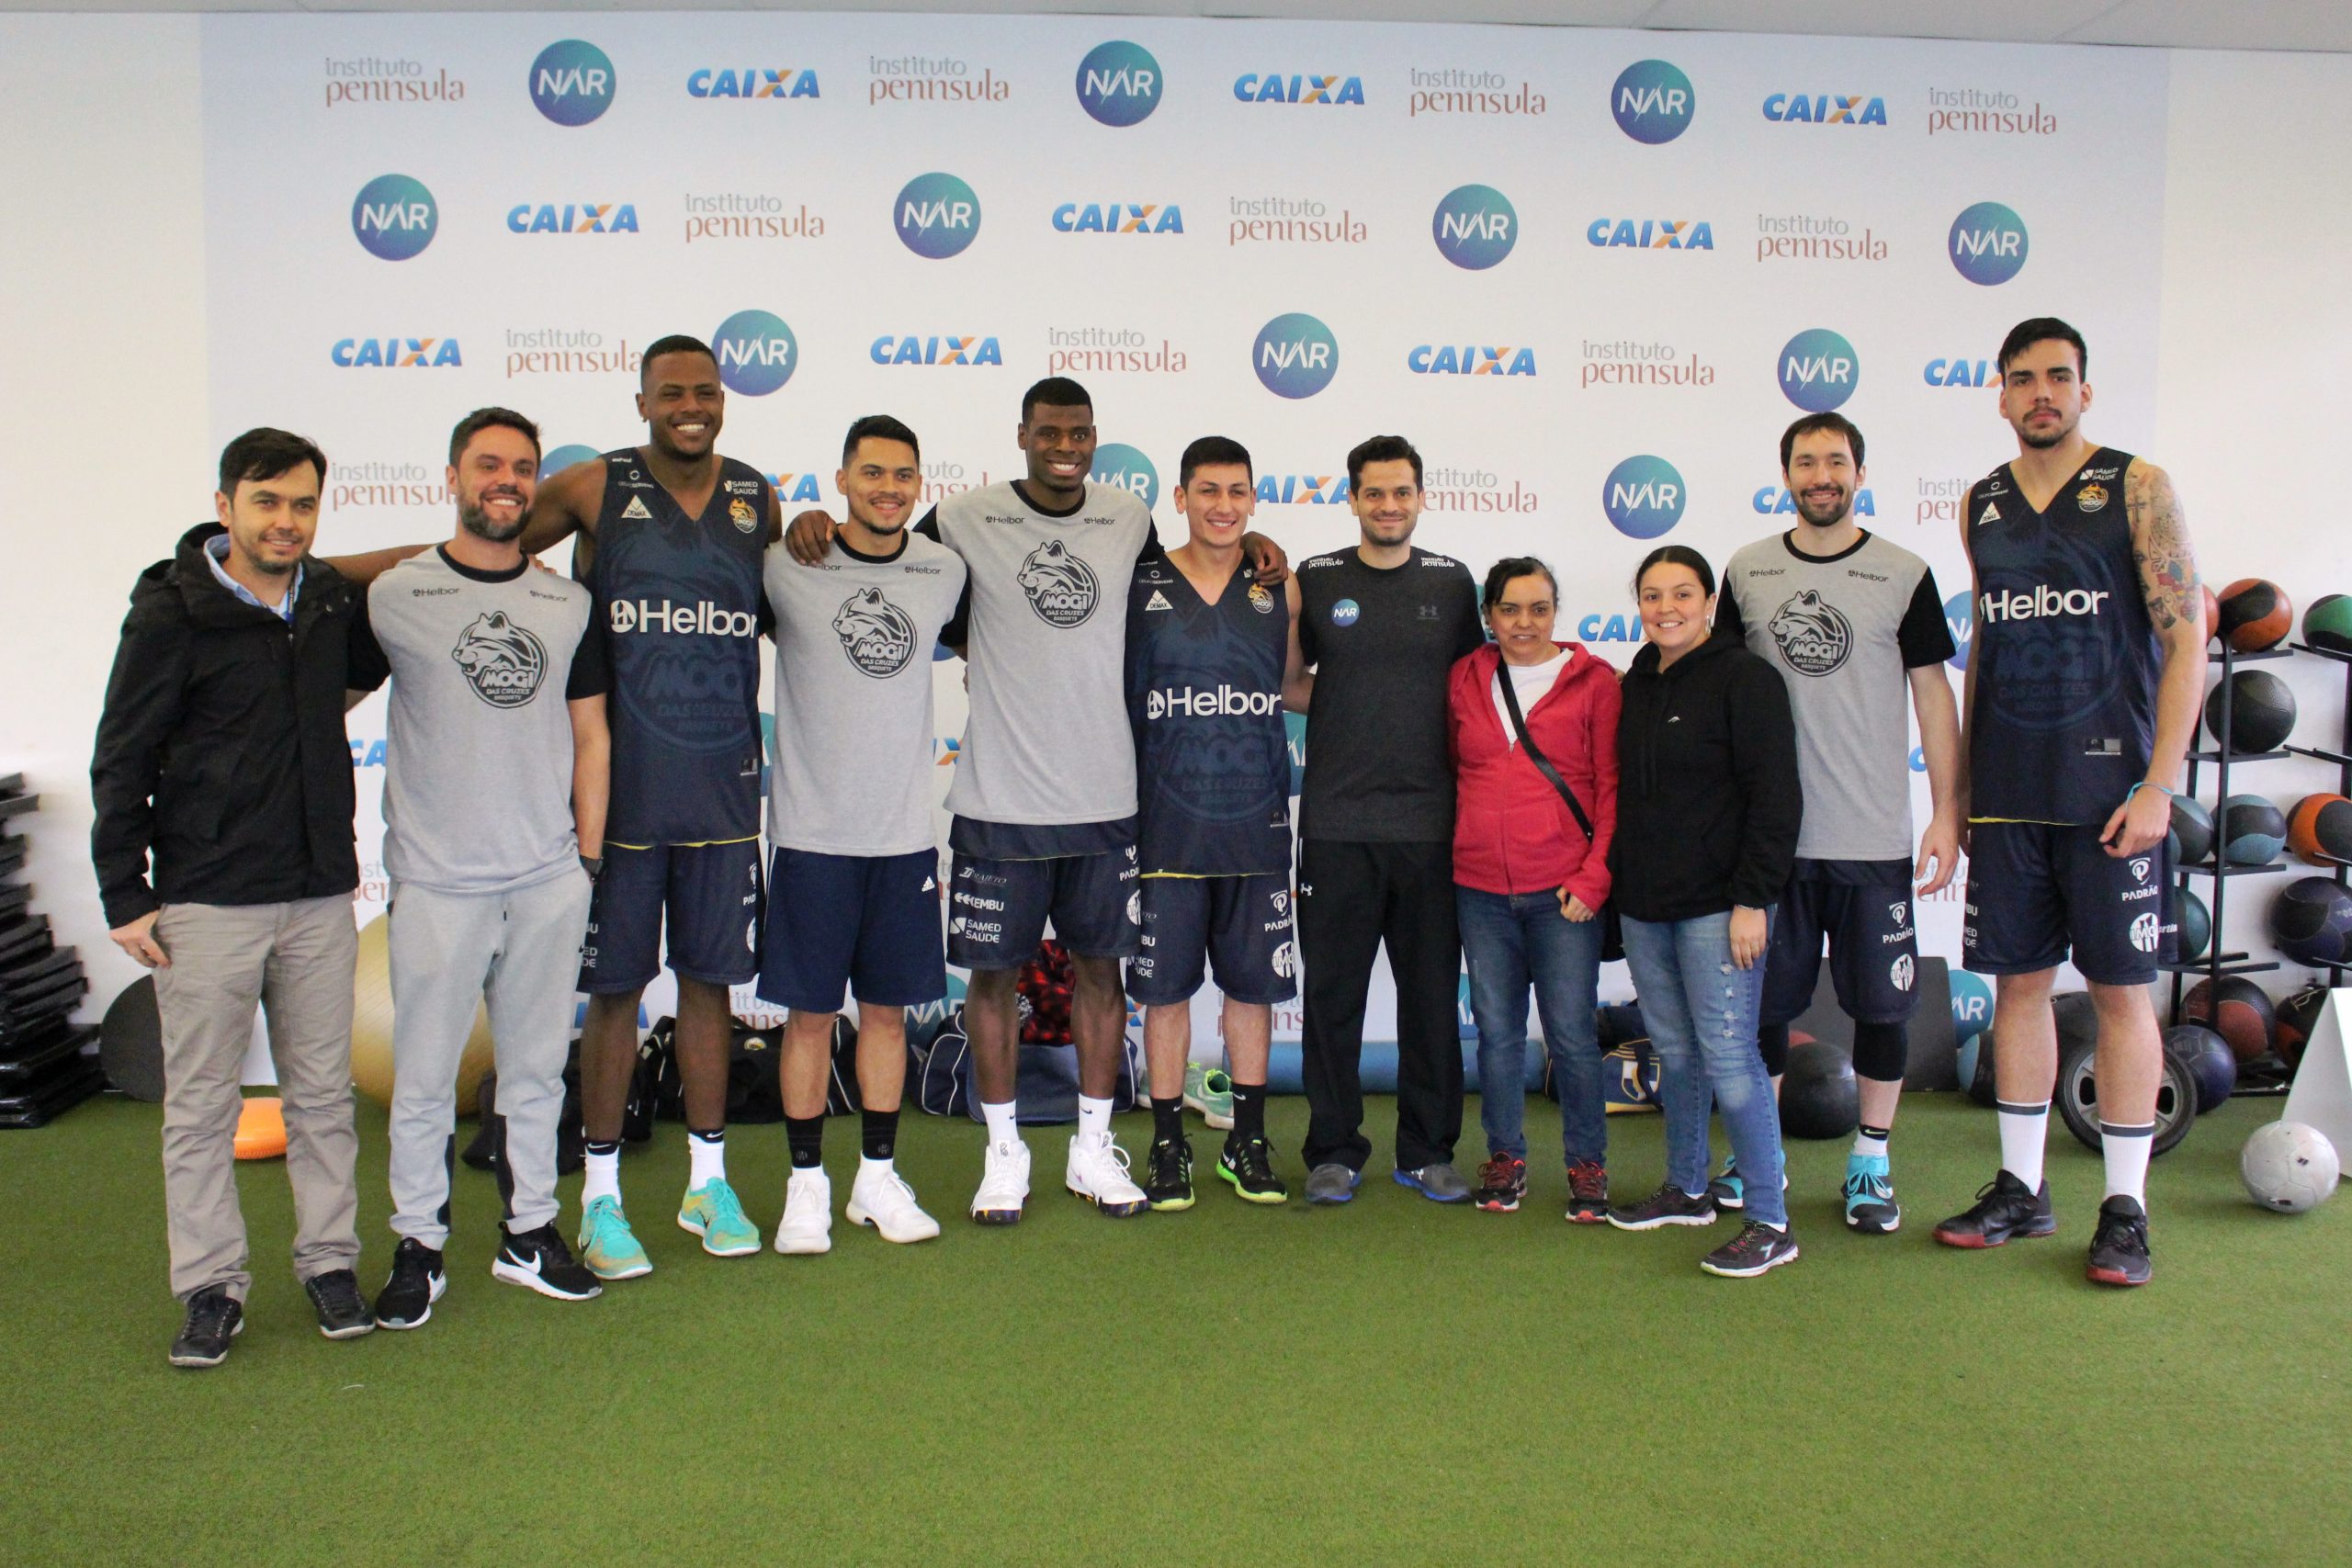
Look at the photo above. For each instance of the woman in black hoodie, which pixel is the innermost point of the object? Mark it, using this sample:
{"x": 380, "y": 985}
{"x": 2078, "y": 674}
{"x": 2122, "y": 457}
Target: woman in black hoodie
{"x": 1708, "y": 805}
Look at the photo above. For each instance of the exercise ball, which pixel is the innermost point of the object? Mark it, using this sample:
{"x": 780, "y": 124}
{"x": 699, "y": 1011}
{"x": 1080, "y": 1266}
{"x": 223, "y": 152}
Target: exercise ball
{"x": 1819, "y": 1097}
{"x": 2212, "y": 612}
{"x": 1973, "y": 1067}
{"x": 2298, "y": 1016}
{"x": 2210, "y": 1060}
{"x": 2252, "y": 831}
{"x": 2256, "y": 614}
{"x": 261, "y": 1128}
{"x": 2311, "y": 922}
{"x": 2192, "y": 831}
{"x": 2237, "y": 1009}
{"x": 2328, "y": 622}
{"x": 2319, "y": 829}
{"x": 2192, "y": 925}
{"x": 2262, "y": 712}
{"x": 371, "y": 1025}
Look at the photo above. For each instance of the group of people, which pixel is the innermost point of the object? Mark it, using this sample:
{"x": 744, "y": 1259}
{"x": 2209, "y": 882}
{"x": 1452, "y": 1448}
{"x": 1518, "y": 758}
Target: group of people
{"x": 1475, "y": 789}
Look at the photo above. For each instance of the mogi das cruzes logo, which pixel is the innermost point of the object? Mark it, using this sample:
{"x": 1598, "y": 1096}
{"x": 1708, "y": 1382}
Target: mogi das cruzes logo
{"x": 879, "y": 636}
{"x": 1061, "y": 587}
{"x": 1815, "y": 637}
{"x": 502, "y": 663}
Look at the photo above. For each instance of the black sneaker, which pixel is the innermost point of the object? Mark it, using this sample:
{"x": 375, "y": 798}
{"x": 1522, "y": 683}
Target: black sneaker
{"x": 1757, "y": 1247}
{"x": 1248, "y": 1166}
{"x": 1588, "y": 1193}
{"x": 214, "y": 1317}
{"x": 1502, "y": 1182}
{"x": 1168, "y": 1174}
{"x": 343, "y": 1311}
{"x": 2003, "y": 1210}
{"x": 538, "y": 1260}
{"x": 1670, "y": 1205}
{"x": 2119, "y": 1246}
{"x": 417, "y": 1282}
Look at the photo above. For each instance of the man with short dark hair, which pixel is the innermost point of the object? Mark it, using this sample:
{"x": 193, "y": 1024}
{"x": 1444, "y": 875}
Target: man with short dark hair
{"x": 221, "y": 754}
{"x": 1381, "y": 625}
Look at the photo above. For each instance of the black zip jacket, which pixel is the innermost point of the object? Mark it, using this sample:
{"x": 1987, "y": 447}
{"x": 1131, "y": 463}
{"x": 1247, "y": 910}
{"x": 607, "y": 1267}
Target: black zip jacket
{"x": 222, "y": 750}
{"x": 1708, "y": 803}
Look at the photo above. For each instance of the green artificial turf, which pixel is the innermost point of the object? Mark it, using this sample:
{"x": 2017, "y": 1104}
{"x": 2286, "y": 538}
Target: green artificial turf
{"x": 1387, "y": 1383}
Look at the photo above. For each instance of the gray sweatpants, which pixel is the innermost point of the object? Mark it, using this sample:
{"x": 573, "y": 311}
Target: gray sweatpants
{"x": 519, "y": 952}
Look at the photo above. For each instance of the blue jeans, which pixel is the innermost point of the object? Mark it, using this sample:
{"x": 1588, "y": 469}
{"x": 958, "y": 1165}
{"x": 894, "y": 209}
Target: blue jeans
{"x": 1701, "y": 1011}
{"x": 1513, "y": 940}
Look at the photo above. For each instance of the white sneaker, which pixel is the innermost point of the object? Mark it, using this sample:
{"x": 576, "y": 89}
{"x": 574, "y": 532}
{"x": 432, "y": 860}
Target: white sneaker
{"x": 1004, "y": 1184}
{"x": 881, "y": 1198}
{"x": 807, "y": 1223}
{"x": 1099, "y": 1175}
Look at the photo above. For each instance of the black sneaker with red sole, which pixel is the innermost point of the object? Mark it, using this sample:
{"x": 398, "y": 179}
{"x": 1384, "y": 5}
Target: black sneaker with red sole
{"x": 2004, "y": 1211}
{"x": 1502, "y": 1182}
{"x": 1587, "y": 1193}
{"x": 2119, "y": 1246}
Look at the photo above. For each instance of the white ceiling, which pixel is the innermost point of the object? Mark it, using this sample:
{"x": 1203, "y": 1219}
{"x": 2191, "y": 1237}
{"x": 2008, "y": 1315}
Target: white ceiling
{"x": 2300, "y": 24}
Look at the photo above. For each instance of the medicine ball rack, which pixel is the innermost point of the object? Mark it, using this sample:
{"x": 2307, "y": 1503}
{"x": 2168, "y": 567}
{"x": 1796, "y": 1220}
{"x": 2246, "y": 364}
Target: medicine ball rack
{"x": 2342, "y": 760}
{"x": 47, "y": 1066}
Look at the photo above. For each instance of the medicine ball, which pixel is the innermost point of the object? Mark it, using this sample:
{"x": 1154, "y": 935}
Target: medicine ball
{"x": 2211, "y": 1062}
{"x": 2328, "y": 622}
{"x": 2212, "y": 613}
{"x": 2243, "y": 1015}
{"x": 2262, "y": 712}
{"x": 2192, "y": 831}
{"x": 2191, "y": 925}
{"x": 2256, "y": 614}
{"x": 2319, "y": 829}
{"x": 2298, "y": 1016}
{"x": 2311, "y": 922}
{"x": 1819, "y": 1097}
{"x": 2252, "y": 831}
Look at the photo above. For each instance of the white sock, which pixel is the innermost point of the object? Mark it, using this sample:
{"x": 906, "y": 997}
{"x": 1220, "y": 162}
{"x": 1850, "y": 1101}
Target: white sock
{"x": 1003, "y": 1128}
{"x": 1870, "y": 1148}
{"x": 1093, "y": 1123}
{"x": 604, "y": 1178}
{"x": 2126, "y": 1151}
{"x": 710, "y": 1158}
{"x": 2023, "y": 1128}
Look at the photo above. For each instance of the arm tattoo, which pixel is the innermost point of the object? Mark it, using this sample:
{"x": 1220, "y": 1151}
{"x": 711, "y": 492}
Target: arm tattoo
{"x": 2160, "y": 547}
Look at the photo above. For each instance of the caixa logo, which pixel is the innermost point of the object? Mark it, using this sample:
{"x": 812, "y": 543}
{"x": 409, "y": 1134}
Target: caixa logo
{"x": 1303, "y": 490}
{"x": 572, "y": 81}
{"x": 662, "y": 617}
{"x": 795, "y": 486}
{"x": 396, "y": 352}
{"x": 1118, "y": 218}
{"x": 1118, "y": 83}
{"x": 1469, "y": 359}
{"x": 1818, "y": 370}
{"x": 756, "y": 352}
{"x": 394, "y": 217}
{"x": 1775, "y": 499}
{"x": 1824, "y": 109}
{"x": 1651, "y": 233}
{"x": 1960, "y": 372}
{"x": 1264, "y": 87}
{"x": 1652, "y": 101}
{"x": 1987, "y": 243}
{"x": 753, "y": 82}
{"x": 1474, "y": 227}
{"x": 938, "y": 216}
{"x": 1960, "y": 619}
{"x": 1294, "y": 356}
{"x": 936, "y": 349}
{"x": 1124, "y": 465}
{"x": 572, "y": 218}
{"x": 1615, "y": 627}
{"x": 1642, "y": 496}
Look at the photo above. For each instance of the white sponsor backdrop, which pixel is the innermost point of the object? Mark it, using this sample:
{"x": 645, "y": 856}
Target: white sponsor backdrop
{"x": 1809, "y": 186}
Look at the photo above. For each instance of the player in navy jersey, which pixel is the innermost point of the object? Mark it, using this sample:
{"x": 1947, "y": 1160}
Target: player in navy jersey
{"x": 2083, "y": 688}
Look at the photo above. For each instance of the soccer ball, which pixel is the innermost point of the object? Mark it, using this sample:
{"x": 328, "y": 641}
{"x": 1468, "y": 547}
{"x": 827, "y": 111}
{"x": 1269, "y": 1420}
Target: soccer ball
{"x": 2288, "y": 1166}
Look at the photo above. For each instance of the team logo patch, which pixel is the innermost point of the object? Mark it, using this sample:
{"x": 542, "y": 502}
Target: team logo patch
{"x": 1259, "y": 600}
{"x": 2144, "y": 931}
{"x": 1815, "y": 637}
{"x": 2091, "y": 497}
{"x": 1902, "y": 972}
{"x": 1158, "y": 601}
{"x": 637, "y": 509}
{"x": 1135, "y": 907}
{"x": 1282, "y": 903}
{"x": 1901, "y": 912}
{"x": 877, "y": 636}
{"x": 504, "y": 662}
{"x": 2140, "y": 869}
{"x": 1285, "y": 960}
{"x": 1061, "y": 586}
{"x": 1991, "y": 513}
{"x": 1155, "y": 704}
{"x": 745, "y": 518}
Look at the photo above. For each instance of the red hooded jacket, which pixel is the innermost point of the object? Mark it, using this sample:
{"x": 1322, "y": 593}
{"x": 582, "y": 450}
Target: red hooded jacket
{"x": 1512, "y": 833}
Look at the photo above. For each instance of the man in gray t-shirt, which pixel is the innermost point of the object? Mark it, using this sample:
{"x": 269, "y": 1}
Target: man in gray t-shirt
{"x": 853, "y": 888}
{"x": 1854, "y": 625}
{"x": 494, "y": 792}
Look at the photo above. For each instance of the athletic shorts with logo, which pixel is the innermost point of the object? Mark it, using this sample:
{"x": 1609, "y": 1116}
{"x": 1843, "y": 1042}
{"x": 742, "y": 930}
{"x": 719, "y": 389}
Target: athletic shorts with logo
{"x": 997, "y": 910}
{"x": 711, "y": 894}
{"x": 1863, "y": 909}
{"x": 2041, "y": 892}
{"x": 1239, "y": 926}
{"x": 869, "y": 923}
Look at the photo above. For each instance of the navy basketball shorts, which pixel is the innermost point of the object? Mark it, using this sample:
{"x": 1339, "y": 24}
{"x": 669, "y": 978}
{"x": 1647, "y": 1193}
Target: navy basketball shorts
{"x": 1862, "y": 908}
{"x": 997, "y": 910}
{"x": 711, "y": 895}
{"x": 2039, "y": 892}
{"x": 1240, "y": 926}
{"x": 869, "y": 923}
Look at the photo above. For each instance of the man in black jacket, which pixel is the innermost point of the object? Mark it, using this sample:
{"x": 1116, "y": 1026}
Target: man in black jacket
{"x": 221, "y": 753}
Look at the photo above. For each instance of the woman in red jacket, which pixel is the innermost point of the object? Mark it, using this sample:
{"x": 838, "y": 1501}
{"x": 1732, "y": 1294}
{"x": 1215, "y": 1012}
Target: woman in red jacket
{"x": 1529, "y": 878}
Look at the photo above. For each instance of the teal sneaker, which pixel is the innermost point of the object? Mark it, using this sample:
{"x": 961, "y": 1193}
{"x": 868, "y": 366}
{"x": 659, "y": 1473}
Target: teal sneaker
{"x": 1209, "y": 1091}
{"x": 713, "y": 1212}
{"x": 1729, "y": 1190}
{"x": 606, "y": 1244}
{"x": 1869, "y": 1196}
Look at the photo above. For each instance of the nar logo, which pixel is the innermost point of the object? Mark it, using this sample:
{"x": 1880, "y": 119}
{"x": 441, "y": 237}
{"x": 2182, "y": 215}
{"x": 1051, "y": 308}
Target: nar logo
{"x": 1474, "y": 227}
{"x": 1773, "y": 500}
{"x": 1818, "y": 370}
{"x": 1117, "y": 463}
{"x": 1642, "y": 496}
{"x": 572, "y": 81}
{"x": 1960, "y": 619}
{"x": 396, "y": 352}
{"x": 1987, "y": 243}
{"x": 1445, "y": 359}
{"x": 572, "y": 218}
{"x": 935, "y": 350}
{"x": 1294, "y": 356}
{"x": 753, "y": 82}
{"x": 1119, "y": 82}
{"x": 938, "y": 216}
{"x": 394, "y": 217}
{"x": 756, "y": 353}
{"x": 1118, "y": 218}
{"x": 1652, "y": 101}
{"x": 1825, "y": 108}
{"x": 1651, "y": 233}
{"x": 1256, "y": 87}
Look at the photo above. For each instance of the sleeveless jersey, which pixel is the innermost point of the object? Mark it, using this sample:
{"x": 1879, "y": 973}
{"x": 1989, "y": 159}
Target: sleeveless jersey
{"x": 2063, "y": 653}
{"x": 681, "y": 598}
{"x": 1205, "y": 697}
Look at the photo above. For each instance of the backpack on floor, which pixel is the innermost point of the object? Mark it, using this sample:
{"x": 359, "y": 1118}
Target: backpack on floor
{"x": 1628, "y": 1065}
{"x": 936, "y": 1068}
{"x": 841, "y": 1082}
{"x": 1046, "y": 1083}
{"x": 486, "y": 1152}
{"x": 654, "y": 1091}
{"x": 754, "y": 1075}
